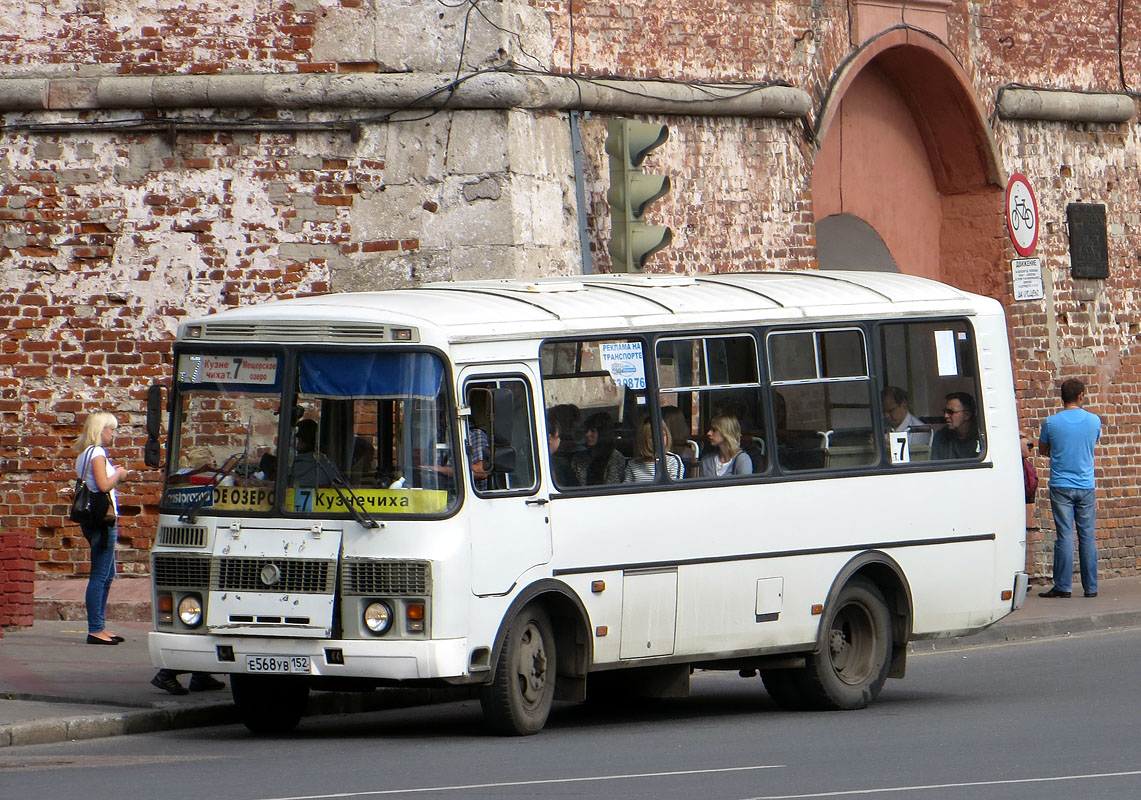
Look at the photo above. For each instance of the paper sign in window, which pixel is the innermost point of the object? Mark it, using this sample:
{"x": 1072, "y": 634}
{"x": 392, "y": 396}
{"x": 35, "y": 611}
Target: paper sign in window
{"x": 945, "y": 353}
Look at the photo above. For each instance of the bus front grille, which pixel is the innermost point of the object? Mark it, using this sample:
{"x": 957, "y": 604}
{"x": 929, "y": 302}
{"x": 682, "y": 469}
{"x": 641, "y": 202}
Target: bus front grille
{"x": 275, "y": 575}
{"x": 182, "y": 537}
{"x": 181, "y": 569}
{"x": 400, "y": 578}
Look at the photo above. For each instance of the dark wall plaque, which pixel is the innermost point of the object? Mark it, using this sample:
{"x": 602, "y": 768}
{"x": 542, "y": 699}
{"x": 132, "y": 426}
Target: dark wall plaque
{"x": 1089, "y": 248}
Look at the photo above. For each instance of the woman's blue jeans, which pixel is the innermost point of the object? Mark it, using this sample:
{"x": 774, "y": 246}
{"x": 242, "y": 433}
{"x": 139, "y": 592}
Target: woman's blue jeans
{"x": 1074, "y": 508}
{"x": 99, "y": 582}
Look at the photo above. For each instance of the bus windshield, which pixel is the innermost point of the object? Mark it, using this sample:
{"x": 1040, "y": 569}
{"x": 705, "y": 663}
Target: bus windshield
{"x": 364, "y": 432}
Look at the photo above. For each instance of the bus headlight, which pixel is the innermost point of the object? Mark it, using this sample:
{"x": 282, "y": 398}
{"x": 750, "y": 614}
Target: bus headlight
{"x": 378, "y": 617}
{"x": 190, "y": 610}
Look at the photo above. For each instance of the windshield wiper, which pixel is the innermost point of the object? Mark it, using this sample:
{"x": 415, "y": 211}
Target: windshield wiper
{"x": 219, "y": 476}
{"x": 208, "y": 489}
{"x": 340, "y": 485}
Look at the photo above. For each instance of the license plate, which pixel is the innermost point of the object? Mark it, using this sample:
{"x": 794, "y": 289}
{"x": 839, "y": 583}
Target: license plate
{"x": 279, "y": 664}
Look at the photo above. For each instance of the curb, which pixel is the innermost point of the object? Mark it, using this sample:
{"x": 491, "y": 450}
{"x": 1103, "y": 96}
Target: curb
{"x": 100, "y": 725}
{"x": 76, "y": 611}
{"x": 173, "y": 717}
{"x": 1008, "y": 631}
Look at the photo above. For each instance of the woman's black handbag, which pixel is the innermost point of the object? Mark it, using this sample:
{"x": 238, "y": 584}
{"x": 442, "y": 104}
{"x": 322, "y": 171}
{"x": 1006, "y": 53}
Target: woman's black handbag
{"x": 90, "y": 507}
{"x": 82, "y": 510}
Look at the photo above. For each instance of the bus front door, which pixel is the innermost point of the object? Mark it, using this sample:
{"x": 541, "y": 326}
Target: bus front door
{"x": 510, "y": 527}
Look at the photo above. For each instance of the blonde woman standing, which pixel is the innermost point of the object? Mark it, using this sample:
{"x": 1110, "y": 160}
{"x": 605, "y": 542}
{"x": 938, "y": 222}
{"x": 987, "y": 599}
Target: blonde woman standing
{"x": 94, "y": 466}
{"x": 727, "y": 457}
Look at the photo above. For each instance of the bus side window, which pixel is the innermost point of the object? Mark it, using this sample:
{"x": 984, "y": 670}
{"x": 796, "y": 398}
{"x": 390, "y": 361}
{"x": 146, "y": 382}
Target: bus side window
{"x": 822, "y": 399}
{"x": 923, "y": 364}
{"x": 501, "y": 445}
{"x": 596, "y": 390}
{"x": 707, "y": 378}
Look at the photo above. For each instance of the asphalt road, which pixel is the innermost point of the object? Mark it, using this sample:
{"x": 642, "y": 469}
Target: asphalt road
{"x": 1055, "y": 718}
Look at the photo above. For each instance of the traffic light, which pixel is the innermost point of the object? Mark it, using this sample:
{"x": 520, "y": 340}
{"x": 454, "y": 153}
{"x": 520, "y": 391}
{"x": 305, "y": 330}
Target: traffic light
{"x": 631, "y": 190}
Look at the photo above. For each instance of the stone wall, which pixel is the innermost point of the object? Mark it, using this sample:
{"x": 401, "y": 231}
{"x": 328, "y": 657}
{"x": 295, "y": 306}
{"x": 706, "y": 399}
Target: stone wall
{"x": 118, "y": 220}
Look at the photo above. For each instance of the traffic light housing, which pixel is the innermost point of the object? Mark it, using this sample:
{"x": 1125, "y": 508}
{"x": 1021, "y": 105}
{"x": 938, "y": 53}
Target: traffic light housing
{"x": 631, "y": 241}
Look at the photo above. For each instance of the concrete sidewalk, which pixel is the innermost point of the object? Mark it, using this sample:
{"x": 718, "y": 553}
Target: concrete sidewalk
{"x": 54, "y": 687}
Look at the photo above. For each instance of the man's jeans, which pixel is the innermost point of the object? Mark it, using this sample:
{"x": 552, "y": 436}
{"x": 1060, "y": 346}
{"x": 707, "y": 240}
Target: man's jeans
{"x": 1074, "y": 507}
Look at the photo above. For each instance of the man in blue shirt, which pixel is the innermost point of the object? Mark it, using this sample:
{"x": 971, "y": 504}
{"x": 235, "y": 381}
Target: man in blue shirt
{"x": 1068, "y": 438}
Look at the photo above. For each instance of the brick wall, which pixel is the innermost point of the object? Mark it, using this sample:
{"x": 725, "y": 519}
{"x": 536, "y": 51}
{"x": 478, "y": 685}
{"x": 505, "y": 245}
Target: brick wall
{"x": 108, "y": 239}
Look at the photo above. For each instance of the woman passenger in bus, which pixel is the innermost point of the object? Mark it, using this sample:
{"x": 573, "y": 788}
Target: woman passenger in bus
{"x": 644, "y": 465}
{"x": 561, "y": 472}
{"x": 727, "y": 458}
{"x": 601, "y": 462}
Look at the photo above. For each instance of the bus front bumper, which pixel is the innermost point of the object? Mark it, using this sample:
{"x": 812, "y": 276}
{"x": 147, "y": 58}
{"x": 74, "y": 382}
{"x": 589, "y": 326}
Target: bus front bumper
{"x": 343, "y": 658}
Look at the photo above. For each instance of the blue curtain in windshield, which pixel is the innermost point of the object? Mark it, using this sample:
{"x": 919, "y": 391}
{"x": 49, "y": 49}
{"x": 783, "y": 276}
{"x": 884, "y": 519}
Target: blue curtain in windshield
{"x": 373, "y": 375}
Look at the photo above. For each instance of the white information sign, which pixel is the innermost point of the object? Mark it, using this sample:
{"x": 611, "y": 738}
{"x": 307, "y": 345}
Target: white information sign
{"x": 1027, "y": 274}
{"x": 900, "y": 449}
{"x": 623, "y": 360}
{"x": 946, "y": 359}
{"x": 227, "y": 369}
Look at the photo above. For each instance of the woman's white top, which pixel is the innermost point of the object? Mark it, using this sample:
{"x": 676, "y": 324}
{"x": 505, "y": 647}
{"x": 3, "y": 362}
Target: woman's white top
{"x": 85, "y": 470}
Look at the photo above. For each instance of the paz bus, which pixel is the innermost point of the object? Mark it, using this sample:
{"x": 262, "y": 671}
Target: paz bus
{"x": 521, "y": 487}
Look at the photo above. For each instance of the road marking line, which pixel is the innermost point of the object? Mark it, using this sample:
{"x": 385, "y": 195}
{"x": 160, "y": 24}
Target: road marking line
{"x": 888, "y": 789}
{"x": 504, "y": 784}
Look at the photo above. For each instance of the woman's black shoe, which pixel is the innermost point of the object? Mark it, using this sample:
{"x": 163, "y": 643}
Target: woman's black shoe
{"x": 96, "y": 640}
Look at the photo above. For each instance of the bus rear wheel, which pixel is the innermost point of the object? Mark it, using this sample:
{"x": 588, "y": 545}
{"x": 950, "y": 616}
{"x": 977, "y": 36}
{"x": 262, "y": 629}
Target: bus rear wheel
{"x": 269, "y": 704}
{"x": 851, "y": 669}
{"x": 783, "y": 686}
{"x": 519, "y": 699}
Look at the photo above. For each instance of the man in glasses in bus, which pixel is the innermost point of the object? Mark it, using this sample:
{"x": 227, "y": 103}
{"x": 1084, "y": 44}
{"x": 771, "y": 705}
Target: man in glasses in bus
{"x": 1068, "y": 438}
{"x": 959, "y": 438}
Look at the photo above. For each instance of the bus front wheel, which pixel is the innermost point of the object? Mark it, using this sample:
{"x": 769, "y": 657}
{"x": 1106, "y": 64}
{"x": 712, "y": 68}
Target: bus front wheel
{"x": 269, "y": 703}
{"x": 850, "y": 670}
{"x": 519, "y": 699}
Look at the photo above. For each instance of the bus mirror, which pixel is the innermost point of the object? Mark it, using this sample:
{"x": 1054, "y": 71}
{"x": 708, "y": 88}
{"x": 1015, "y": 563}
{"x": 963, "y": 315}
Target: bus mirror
{"x": 502, "y": 419}
{"x": 152, "y": 450}
{"x": 503, "y": 461}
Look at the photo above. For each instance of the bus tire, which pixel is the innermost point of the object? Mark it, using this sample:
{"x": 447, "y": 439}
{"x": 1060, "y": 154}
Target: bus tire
{"x": 269, "y": 704}
{"x": 519, "y": 698}
{"x": 783, "y": 686}
{"x": 851, "y": 668}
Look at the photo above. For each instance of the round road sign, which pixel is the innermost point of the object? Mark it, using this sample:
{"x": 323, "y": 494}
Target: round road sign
{"x": 1021, "y": 214}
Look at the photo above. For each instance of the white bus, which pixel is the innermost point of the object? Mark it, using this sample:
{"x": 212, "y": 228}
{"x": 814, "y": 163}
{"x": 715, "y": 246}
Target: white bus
{"x": 364, "y": 490}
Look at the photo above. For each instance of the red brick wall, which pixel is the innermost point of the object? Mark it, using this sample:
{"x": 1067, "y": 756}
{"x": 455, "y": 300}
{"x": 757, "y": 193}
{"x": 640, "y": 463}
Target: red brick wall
{"x": 107, "y": 240}
{"x": 17, "y": 575}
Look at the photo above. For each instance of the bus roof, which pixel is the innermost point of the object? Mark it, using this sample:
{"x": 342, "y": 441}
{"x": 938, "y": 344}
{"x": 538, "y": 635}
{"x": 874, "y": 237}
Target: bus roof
{"x": 499, "y": 309}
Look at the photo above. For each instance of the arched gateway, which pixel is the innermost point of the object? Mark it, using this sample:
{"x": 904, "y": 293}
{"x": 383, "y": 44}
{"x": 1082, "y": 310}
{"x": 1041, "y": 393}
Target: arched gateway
{"x": 905, "y": 149}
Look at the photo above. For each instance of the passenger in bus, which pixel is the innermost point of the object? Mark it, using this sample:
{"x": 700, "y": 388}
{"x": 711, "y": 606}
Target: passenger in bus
{"x": 561, "y": 472}
{"x": 726, "y": 458}
{"x": 960, "y": 437}
{"x": 898, "y": 416}
{"x": 305, "y": 471}
{"x": 361, "y": 466}
{"x": 681, "y": 438}
{"x": 601, "y": 462}
{"x": 896, "y": 412}
{"x": 479, "y": 453}
{"x": 643, "y": 467}
{"x": 567, "y": 415}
